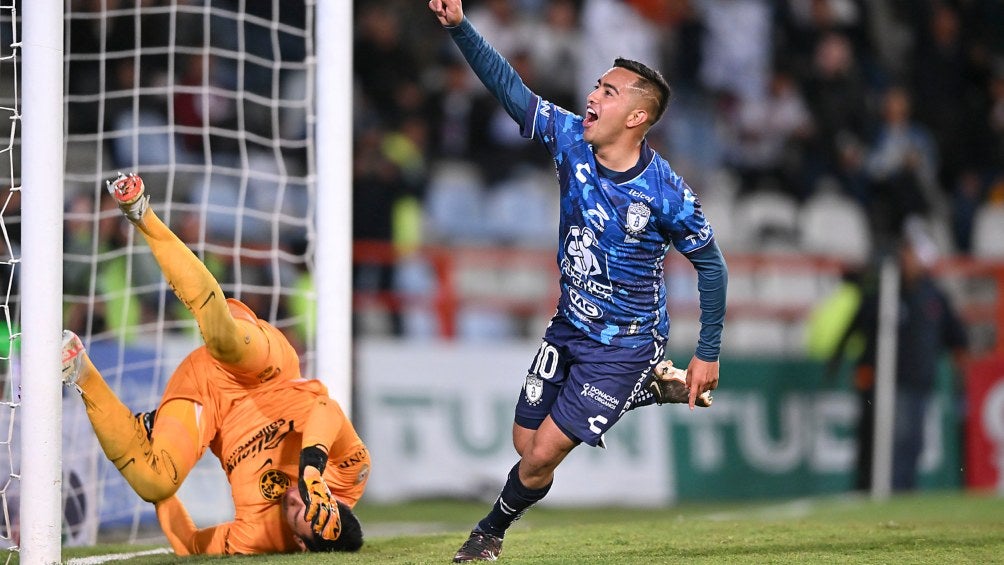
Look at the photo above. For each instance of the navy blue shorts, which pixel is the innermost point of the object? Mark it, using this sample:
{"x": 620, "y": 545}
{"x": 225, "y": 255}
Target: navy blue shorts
{"x": 584, "y": 385}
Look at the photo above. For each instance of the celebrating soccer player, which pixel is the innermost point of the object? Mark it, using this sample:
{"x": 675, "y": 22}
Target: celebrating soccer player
{"x": 622, "y": 206}
{"x": 295, "y": 464}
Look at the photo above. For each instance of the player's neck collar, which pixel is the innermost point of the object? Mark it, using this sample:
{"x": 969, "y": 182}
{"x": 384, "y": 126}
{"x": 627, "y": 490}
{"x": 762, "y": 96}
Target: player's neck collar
{"x": 619, "y": 177}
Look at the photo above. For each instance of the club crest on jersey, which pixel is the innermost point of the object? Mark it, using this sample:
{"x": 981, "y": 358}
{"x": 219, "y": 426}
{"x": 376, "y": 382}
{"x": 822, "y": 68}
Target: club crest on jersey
{"x": 534, "y": 389}
{"x": 638, "y": 215}
{"x": 273, "y": 483}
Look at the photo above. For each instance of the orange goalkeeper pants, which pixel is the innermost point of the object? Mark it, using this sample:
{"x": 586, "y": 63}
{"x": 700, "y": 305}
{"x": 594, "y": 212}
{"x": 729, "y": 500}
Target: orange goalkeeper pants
{"x": 154, "y": 466}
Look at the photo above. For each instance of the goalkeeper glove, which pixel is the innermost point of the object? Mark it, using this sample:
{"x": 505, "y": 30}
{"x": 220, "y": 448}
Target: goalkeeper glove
{"x": 321, "y": 508}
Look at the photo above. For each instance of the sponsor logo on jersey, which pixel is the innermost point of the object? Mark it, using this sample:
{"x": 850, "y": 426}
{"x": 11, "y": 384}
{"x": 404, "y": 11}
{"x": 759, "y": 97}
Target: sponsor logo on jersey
{"x": 266, "y": 438}
{"x": 534, "y": 389}
{"x": 639, "y": 194}
{"x": 583, "y": 305}
{"x": 640, "y": 392}
{"x": 584, "y": 267}
{"x": 598, "y": 217}
{"x": 599, "y": 397}
{"x": 592, "y": 423}
{"x": 702, "y": 235}
{"x": 589, "y": 285}
{"x": 360, "y": 456}
{"x": 273, "y": 484}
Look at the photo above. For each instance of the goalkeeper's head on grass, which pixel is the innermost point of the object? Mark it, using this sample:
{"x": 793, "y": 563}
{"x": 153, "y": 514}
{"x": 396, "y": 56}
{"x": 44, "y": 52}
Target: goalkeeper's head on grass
{"x": 295, "y": 464}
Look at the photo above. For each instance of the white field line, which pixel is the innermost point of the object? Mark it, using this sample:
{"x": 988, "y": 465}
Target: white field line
{"x": 799, "y": 508}
{"x": 98, "y": 559}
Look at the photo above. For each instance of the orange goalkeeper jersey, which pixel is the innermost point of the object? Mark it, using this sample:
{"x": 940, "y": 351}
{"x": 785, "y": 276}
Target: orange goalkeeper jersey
{"x": 256, "y": 433}
{"x": 259, "y": 449}
{"x": 217, "y": 387}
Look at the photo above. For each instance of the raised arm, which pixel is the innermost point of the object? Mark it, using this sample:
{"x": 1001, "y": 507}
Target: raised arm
{"x": 449, "y": 12}
{"x": 494, "y": 71}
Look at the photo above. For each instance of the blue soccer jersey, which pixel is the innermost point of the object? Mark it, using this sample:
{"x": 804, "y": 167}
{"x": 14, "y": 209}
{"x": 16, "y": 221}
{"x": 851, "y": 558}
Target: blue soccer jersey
{"x": 614, "y": 232}
{"x": 615, "y": 227}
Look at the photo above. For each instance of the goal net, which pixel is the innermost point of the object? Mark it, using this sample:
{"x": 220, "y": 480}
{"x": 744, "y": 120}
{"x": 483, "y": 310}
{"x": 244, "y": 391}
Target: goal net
{"x": 211, "y": 101}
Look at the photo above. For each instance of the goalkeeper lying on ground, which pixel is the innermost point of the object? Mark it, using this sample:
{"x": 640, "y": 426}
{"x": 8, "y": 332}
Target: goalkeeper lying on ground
{"x": 295, "y": 464}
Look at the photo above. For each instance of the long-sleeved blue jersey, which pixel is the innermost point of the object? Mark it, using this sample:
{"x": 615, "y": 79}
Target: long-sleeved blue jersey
{"x": 615, "y": 227}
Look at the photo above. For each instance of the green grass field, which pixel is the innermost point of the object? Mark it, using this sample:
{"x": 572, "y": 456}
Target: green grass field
{"x": 940, "y": 528}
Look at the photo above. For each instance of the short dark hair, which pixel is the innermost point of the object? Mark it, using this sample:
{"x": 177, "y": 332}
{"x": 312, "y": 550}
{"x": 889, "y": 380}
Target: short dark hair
{"x": 651, "y": 81}
{"x": 351, "y": 538}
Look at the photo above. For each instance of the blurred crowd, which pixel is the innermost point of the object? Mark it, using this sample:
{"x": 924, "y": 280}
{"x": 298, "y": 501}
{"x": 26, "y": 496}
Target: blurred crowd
{"x": 887, "y": 108}
{"x": 897, "y": 105}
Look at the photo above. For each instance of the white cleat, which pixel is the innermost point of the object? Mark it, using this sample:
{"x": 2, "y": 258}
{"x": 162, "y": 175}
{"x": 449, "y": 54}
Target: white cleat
{"x": 73, "y": 358}
{"x": 129, "y": 192}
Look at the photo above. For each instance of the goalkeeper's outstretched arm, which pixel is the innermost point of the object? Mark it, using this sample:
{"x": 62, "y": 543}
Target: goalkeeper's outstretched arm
{"x": 184, "y": 537}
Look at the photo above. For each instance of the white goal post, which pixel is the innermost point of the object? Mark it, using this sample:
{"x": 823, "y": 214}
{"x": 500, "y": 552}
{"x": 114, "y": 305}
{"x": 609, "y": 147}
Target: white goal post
{"x": 334, "y": 196}
{"x": 42, "y": 237}
{"x": 186, "y": 185}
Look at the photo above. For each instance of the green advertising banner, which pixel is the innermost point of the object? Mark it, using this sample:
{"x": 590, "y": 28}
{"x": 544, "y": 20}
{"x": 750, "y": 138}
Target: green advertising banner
{"x": 779, "y": 429}
{"x": 438, "y": 421}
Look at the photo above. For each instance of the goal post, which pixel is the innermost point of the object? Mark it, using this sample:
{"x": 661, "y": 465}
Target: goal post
{"x": 216, "y": 105}
{"x": 334, "y": 199}
{"x": 41, "y": 281}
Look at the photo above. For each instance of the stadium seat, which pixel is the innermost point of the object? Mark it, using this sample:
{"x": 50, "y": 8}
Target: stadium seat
{"x": 524, "y": 210}
{"x": 834, "y": 225}
{"x": 988, "y": 232}
{"x": 767, "y": 221}
{"x": 455, "y": 204}
{"x": 718, "y": 193}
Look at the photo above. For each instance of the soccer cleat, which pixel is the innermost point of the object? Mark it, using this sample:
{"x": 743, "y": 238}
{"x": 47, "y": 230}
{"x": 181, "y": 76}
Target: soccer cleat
{"x": 73, "y": 351}
{"x": 479, "y": 547}
{"x": 669, "y": 385}
{"x": 128, "y": 191}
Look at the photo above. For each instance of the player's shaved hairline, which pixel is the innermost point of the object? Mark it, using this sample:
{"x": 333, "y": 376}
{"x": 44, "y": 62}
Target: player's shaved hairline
{"x": 650, "y": 83}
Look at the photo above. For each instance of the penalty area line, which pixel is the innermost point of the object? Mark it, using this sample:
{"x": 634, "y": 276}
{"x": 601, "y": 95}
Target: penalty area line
{"x": 98, "y": 559}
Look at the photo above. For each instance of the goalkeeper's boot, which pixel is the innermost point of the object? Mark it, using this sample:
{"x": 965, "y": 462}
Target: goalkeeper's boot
{"x": 669, "y": 385}
{"x": 73, "y": 358}
{"x": 480, "y": 546}
{"x": 129, "y": 193}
